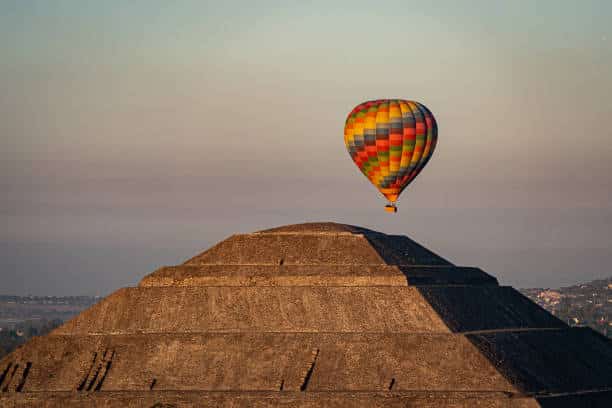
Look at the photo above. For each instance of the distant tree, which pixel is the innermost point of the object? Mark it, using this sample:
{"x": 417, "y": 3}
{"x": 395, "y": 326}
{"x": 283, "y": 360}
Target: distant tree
{"x": 9, "y": 338}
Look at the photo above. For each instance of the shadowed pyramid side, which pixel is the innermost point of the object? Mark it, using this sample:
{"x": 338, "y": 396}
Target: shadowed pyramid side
{"x": 309, "y": 315}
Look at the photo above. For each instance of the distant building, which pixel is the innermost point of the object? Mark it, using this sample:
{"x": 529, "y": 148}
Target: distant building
{"x": 550, "y": 297}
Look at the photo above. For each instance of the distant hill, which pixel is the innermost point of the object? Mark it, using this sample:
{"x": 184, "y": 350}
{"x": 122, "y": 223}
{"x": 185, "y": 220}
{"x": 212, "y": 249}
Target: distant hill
{"x": 584, "y": 304}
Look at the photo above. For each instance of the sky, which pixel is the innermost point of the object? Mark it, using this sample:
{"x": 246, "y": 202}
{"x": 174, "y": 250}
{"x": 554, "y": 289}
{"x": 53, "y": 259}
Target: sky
{"x": 135, "y": 134}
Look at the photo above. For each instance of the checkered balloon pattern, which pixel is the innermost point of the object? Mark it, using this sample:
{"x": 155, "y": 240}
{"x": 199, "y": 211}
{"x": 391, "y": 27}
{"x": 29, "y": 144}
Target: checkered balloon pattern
{"x": 390, "y": 140}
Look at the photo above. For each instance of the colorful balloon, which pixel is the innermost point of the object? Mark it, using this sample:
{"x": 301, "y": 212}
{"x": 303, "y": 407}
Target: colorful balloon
{"x": 390, "y": 140}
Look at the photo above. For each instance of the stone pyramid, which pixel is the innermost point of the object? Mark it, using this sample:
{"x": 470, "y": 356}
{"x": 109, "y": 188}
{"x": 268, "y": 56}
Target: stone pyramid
{"x": 312, "y": 315}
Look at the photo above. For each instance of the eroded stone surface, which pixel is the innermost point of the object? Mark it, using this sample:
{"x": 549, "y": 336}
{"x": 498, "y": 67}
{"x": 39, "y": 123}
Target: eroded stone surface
{"x": 317, "y": 314}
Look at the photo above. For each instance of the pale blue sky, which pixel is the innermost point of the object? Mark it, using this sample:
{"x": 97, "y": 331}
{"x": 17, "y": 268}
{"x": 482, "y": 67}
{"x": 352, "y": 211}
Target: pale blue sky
{"x": 137, "y": 133}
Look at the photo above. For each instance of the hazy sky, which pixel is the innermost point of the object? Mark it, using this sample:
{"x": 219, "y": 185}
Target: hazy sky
{"x": 135, "y": 134}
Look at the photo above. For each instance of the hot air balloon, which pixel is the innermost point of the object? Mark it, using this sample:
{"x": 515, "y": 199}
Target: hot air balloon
{"x": 390, "y": 140}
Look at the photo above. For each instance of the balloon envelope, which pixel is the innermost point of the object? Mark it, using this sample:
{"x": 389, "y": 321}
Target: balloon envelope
{"x": 390, "y": 141}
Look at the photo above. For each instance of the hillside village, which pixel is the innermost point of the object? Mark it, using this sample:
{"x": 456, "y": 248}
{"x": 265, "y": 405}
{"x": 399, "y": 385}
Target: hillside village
{"x": 586, "y": 304}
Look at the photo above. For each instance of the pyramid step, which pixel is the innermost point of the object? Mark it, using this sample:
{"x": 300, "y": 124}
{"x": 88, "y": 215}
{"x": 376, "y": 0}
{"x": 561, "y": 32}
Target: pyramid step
{"x": 258, "y": 309}
{"x": 361, "y": 248}
{"x": 315, "y": 275}
{"x": 550, "y": 361}
{"x": 261, "y": 361}
{"x": 383, "y": 309}
{"x": 486, "y": 308}
{"x": 538, "y": 363}
{"x": 265, "y": 399}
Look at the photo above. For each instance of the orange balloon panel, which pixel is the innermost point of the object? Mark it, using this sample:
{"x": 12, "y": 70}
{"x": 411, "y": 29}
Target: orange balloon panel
{"x": 390, "y": 140}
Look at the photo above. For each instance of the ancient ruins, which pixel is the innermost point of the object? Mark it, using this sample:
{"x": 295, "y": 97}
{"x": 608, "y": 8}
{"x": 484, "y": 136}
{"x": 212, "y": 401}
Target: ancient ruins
{"x": 312, "y": 315}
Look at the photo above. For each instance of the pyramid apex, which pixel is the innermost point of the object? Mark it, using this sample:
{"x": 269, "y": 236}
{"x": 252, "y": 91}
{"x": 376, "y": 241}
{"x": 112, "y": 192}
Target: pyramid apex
{"x": 314, "y": 227}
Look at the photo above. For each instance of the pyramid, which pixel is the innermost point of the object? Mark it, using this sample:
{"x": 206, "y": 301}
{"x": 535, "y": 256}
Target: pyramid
{"x": 311, "y": 315}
